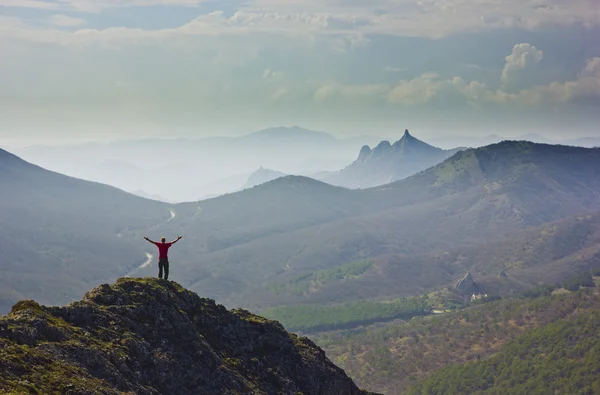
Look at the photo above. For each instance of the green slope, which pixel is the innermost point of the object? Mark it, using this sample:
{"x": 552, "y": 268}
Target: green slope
{"x": 559, "y": 358}
{"x": 391, "y": 358}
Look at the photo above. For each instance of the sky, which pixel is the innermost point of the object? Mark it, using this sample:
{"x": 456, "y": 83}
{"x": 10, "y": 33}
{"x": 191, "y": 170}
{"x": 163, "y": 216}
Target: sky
{"x": 110, "y": 69}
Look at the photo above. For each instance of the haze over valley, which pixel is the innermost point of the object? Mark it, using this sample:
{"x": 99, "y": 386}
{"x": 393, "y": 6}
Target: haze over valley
{"x": 282, "y": 197}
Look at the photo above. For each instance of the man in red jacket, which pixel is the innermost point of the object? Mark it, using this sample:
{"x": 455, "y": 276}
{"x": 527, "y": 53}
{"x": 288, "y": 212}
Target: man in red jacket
{"x": 163, "y": 257}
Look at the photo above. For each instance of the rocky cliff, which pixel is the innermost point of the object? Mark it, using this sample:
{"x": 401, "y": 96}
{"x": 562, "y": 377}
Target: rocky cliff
{"x": 149, "y": 336}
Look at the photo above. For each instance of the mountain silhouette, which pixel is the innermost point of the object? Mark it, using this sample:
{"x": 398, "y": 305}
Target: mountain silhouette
{"x": 387, "y": 163}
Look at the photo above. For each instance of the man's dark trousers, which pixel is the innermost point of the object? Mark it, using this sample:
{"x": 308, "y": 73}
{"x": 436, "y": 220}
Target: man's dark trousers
{"x": 163, "y": 264}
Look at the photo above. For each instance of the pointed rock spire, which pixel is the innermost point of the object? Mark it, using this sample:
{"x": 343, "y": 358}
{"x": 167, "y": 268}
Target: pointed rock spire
{"x": 365, "y": 151}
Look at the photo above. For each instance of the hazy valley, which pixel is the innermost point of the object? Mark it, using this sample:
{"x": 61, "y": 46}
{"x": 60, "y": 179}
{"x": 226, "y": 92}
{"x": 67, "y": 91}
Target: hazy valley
{"x": 299, "y": 197}
{"x": 327, "y": 261}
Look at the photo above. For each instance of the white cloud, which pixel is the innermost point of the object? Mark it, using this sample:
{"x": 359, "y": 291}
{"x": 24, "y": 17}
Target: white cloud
{"x": 349, "y": 92}
{"x": 521, "y": 66}
{"x": 46, "y": 5}
{"x": 356, "y": 18}
{"x": 431, "y": 90}
{"x": 65, "y": 21}
{"x": 391, "y": 69}
{"x": 271, "y": 74}
{"x": 95, "y": 6}
{"x": 434, "y": 18}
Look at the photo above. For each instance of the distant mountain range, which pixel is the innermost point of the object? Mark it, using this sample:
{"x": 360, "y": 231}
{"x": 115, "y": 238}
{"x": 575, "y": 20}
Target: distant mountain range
{"x": 387, "y": 163}
{"x": 471, "y": 212}
{"x": 381, "y": 165}
{"x": 181, "y": 169}
{"x": 194, "y": 169}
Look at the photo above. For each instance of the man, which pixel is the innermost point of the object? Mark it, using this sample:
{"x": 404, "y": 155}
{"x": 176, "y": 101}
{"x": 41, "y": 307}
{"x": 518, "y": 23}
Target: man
{"x": 163, "y": 257}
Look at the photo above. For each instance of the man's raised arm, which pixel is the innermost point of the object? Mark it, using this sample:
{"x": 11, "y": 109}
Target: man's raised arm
{"x": 148, "y": 240}
{"x": 176, "y": 240}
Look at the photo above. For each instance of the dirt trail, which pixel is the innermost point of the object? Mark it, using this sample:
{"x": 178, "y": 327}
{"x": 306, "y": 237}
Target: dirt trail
{"x": 146, "y": 263}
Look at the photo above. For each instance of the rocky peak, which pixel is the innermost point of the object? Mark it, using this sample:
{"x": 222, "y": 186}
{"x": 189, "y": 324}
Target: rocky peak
{"x": 150, "y": 336}
{"x": 365, "y": 151}
{"x": 381, "y": 149}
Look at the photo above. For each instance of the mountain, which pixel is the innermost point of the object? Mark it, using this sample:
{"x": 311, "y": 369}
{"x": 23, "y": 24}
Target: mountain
{"x": 284, "y": 242}
{"x": 387, "y": 163}
{"x": 148, "y": 336}
{"x": 62, "y": 235}
{"x": 184, "y": 169}
{"x": 261, "y": 176}
{"x": 59, "y": 235}
{"x": 476, "y": 197}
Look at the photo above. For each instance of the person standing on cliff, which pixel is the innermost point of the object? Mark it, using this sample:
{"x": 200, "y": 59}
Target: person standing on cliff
{"x": 163, "y": 256}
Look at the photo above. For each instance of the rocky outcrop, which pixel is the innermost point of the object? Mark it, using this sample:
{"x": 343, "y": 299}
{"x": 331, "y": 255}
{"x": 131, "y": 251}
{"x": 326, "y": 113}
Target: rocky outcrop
{"x": 149, "y": 336}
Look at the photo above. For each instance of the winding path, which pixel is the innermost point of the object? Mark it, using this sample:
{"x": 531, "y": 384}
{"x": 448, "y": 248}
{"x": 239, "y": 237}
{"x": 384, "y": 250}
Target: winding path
{"x": 146, "y": 263}
{"x": 173, "y": 215}
{"x": 149, "y": 256}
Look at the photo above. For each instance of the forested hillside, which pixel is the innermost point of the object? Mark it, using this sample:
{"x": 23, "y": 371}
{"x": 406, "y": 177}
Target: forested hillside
{"x": 559, "y": 358}
{"x": 392, "y": 358}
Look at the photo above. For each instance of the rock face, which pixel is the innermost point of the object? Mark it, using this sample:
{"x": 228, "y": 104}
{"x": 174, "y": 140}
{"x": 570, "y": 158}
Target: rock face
{"x": 149, "y": 336}
{"x": 466, "y": 283}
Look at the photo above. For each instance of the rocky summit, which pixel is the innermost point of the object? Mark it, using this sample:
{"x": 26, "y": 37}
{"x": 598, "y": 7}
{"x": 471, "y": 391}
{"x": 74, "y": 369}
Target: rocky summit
{"x": 150, "y": 336}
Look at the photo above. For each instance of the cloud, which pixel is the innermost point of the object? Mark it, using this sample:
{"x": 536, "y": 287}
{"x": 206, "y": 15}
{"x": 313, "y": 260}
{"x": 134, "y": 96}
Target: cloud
{"x": 65, "y": 21}
{"x": 521, "y": 67}
{"x": 431, "y": 90}
{"x": 435, "y": 19}
{"x": 271, "y": 74}
{"x": 45, "y": 5}
{"x": 584, "y": 89}
{"x": 95, "y": 6}
{"x": 349, "y": 92}
{"x": 391, "y": 69}
{"x": 356, "y": 18}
